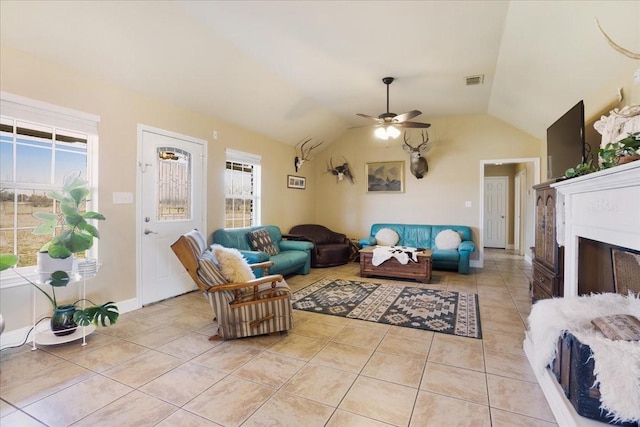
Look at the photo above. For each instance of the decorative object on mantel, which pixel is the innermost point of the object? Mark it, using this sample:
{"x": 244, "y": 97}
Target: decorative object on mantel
{"x": 341, "y": 171}
{"x": 418, "y": 164}
{"x": 621, "y": 150}
{"x": 619, "y": 122}
{"x": 618, "y": 153}
{"x": 617, "y": 363}
{"x": 304, "y": 154}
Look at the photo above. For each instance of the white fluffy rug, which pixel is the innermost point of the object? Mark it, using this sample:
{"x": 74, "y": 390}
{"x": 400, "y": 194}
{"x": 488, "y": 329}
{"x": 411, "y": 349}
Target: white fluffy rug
{"x": 617, "y": 363}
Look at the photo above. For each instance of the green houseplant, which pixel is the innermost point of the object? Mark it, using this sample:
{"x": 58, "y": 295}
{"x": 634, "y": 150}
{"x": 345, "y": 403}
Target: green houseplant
{"x": 72, "y": 234}
{"x": 612, "y": 154}
{"x": 66, "y": 317}
{"x": 76, "y": 234}
{"x": 622, "y": 151}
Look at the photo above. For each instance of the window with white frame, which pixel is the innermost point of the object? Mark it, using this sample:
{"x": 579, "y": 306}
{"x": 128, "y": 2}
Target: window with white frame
{"x": 39, "y": 144}
{"x": 242, "y": 189}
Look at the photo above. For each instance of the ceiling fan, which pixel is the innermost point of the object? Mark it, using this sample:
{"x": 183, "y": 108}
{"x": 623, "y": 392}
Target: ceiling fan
{"x": 387, "y": 121}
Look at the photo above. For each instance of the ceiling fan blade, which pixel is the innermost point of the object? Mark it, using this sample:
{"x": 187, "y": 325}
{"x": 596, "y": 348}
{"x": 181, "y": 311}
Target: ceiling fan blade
{"x": 366, "y": 116}
{"x": 407, "y": 116}
{"x": 414, "y": 125}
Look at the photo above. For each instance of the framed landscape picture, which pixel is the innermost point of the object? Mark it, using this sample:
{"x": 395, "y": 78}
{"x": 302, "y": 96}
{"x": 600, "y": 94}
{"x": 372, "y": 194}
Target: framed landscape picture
{"x": 298, "y": 182}
{"x": 385, "y": 177}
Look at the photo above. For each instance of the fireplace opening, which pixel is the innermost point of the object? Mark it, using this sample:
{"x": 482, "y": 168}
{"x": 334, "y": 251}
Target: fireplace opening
{"x": 603, "y": 267}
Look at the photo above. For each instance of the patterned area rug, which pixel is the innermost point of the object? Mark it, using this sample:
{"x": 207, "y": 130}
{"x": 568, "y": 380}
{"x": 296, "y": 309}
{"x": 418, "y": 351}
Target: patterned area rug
{"x": 448, "y": 312}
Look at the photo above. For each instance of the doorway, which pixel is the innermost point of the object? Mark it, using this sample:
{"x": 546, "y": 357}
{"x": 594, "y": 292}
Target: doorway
{"x": 527, "y": 209}
{"x": 172, "y": 193}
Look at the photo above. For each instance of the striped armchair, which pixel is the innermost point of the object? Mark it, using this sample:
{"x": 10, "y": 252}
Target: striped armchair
{"x": 256, "y": 307}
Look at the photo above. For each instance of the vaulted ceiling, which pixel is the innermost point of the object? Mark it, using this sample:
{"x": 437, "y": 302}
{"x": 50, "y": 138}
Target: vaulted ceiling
{"x": 292, "y": 70}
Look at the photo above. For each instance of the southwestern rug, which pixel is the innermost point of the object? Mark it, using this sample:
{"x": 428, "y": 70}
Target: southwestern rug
{"x": 448, "y": 312}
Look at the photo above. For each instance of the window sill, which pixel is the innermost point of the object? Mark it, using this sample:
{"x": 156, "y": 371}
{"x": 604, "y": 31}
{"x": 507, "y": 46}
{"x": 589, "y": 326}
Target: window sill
{"x": 10, "y": 279}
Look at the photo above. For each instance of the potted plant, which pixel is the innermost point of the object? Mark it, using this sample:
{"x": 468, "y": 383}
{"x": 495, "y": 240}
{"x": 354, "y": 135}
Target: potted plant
{"x": 66, "y": 317}
{"x": 619, "y": 152}
{"x": 72, "y": 234}
{"x": 581, "y": 169}
{"x": 75, "y": 234}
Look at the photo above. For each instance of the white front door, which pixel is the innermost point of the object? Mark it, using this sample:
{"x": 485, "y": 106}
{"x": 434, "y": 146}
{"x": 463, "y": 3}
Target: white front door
{"x": 495, "y": 208}
{"x": 172, "y": 188}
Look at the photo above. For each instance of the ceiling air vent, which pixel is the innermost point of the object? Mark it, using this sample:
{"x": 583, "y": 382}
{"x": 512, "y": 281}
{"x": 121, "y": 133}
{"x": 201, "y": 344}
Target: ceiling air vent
{"x": 474, "y": 80}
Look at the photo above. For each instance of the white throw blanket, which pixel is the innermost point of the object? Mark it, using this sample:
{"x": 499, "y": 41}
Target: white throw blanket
{"x": 617, "y": 363}
{"x": 402, "y": 253}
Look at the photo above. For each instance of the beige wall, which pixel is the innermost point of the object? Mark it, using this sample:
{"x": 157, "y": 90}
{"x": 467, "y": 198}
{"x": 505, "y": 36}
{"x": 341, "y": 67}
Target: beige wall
{"x": 458, "y": 144}
{"x": 120, "y": 111}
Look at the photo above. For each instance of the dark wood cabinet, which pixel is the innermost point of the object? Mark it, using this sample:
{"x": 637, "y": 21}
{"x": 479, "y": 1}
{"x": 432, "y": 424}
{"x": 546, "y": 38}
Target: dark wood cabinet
{"x": 548, "y": 261}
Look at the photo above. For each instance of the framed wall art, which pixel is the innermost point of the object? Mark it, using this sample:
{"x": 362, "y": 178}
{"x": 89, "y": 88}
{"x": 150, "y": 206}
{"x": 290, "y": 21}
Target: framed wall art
{"x": 385, "y": 177}
{"x": 298, "y": 182}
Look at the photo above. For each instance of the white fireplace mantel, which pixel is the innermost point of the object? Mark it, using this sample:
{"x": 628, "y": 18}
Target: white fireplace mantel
{"x": 603, "y": 206}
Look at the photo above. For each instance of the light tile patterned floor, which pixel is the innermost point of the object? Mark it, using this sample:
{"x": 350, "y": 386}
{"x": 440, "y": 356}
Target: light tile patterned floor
{"x": 156, "y": 367}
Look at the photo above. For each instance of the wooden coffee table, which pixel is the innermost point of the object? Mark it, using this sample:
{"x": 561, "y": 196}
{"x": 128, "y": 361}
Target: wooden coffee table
{"x": 420, "y": 270}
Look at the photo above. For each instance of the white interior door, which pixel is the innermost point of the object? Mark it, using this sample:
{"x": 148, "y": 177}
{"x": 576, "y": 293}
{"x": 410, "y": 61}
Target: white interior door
{"x": 495, "y": 211}
{"x": 172, "y": 186}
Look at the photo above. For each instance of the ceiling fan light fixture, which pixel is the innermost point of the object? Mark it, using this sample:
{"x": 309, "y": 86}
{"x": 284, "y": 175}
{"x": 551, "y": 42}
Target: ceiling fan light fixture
{"x": 386, "y": 132}
{"x": 381, "y": 133}
{"x": 385, "y": 121}
{"x": 393, "y": 132}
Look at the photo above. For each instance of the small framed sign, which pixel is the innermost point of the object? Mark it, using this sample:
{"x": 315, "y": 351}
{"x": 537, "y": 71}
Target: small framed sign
{"x": 298, "y": 182}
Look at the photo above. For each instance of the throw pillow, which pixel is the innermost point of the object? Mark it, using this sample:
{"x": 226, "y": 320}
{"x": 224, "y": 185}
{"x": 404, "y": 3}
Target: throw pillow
{"x": 448, "y": 239}
{"x": 260, "y": 240}
{"x": 619, "y": 327}
{"x": 386, "y": 237}
{"x": 233, "y": 265}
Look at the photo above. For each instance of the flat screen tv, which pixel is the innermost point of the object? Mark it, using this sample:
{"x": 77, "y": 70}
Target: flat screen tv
{"x": 566, "y": 142}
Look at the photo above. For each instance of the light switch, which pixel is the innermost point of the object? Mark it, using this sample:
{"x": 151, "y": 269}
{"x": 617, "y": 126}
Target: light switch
{"x": 467, "y": 204}
{"x": 122, "y": 198}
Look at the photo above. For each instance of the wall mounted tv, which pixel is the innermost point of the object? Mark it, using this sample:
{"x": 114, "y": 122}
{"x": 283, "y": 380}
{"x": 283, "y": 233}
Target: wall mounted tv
{"x": 566, "y": 142}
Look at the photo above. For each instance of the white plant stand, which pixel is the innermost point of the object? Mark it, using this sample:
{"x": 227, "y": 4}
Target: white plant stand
{"x": 42, "y": 333}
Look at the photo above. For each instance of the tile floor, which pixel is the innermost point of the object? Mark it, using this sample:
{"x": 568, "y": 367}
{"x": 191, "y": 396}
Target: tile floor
{"x": 327, "y": 371}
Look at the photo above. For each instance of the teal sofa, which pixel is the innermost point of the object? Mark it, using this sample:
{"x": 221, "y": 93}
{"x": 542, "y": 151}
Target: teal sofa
{"x": 294, "y": 257}
{"x": 424, "y": 236}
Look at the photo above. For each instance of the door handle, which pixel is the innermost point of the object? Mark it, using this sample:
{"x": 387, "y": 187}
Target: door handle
{"x": 147, "y": 231}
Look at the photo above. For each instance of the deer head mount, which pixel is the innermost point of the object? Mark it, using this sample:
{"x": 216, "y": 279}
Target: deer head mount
{"x": 617, "y": 47}
{"x": 418, "y": 164}
{"x": 304, "y": 153}
{"x": 341, "y": 171}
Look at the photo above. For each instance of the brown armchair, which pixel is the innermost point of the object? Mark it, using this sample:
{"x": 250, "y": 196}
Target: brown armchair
{"x": 330, "y": 248}
{"x": 256, "y": 307}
